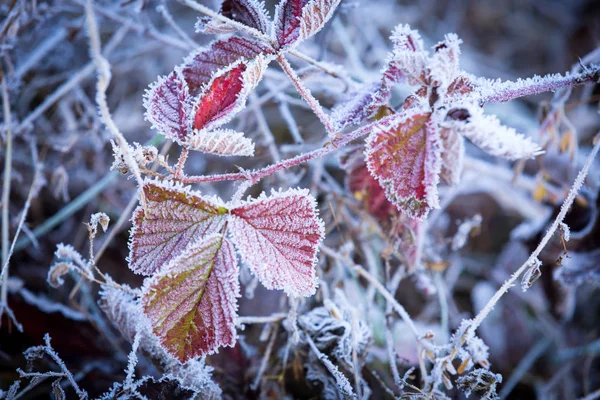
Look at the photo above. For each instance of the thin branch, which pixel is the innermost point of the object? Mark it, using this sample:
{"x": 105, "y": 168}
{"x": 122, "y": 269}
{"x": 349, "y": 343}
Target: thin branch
{"x": 533, "y": 257}
{"x": 306, "y": 95}
{"x": 104, "y": 77}
{"x": 5, "y": 189}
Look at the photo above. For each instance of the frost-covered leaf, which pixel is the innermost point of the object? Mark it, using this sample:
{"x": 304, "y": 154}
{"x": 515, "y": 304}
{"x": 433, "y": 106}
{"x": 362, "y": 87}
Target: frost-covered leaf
{"x": 173, "y": 218}
{"x": 487, "y": 133}
{"x": 315, "y": 15}
{"x": 56, "y": 273}
{"x": 365, "y": 188}
{"x": 121, "y": 308}
{"x": 168, "y": 106}
{"x": 452, "y": 156}
{"x": 408, "y": 55}
{"x": 580, "y": 268}
{"x": 361, "y": 105}
{"x": 247, "y": 12}
{"x": 296, "y": 20}
{"x": 223, "y": 142}
{"x": 192, "y": 302}
{"x": 288, "y": 17}
{"x": 443, "y": 64}
{"x": 278, "y": 237}
{"x": 227, "y": 93}
{"x": 406, "y": 161}
{"x": 199, "y": 67}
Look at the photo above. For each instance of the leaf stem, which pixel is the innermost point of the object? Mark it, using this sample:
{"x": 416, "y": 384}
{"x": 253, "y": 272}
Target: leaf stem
{"x": 306, "y": 95}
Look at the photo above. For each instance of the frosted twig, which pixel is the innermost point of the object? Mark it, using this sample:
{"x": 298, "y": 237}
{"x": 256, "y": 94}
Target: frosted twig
{"x": 104, "y": 77}
{"x": 266, "y": 357}
{"x": 261, "y": 320}
{"x": 506, "y": 91}
{"x": 5, "y": 189}
{"x": 531, "y": 260}
{"x": 306, "y": 95}
{"x": 592, "y": 396}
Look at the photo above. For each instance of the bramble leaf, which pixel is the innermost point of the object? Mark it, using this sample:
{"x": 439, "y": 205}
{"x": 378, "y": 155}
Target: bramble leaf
{"x": 248, "y": 12}
{"x": 408, "y": 55}
{"x": 223, "y": 142}
{"x": 278, "y": 237}
{"x": 172, "y": 219}
{"x": 191, "y": 303}
{"x": 452, "y": 156}
{"x": 487, "y": 133}
{"x": 296, "y": 20}
{"x": 198, "y": 68}
{"x": 168, "y": 106}
{"x": 227, "y": 93}
{"x": 406, "y": 161}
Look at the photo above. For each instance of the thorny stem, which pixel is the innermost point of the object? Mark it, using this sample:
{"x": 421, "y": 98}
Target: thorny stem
{"x": 185, "y": 151}
{"x": 329, "y": 147}
{"x": 5, "y": 190}
{"x": 507, "y": 91}
{"x": 306, "y": 95}
{"x": 533, "y": 257}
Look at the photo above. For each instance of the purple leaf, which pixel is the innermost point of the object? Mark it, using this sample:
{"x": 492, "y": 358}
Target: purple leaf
{"x": 168, "y": 107}
{"x": 296, "y": 20}
{"x": 405, "y": 159}
{"x": 247, "y": 12}
{"x": 452, "y": 156}
{"x": 172, "y": 219}
{"x": 192, "y": 303}
{"x": 198, "y": 69}
{"x": 278, "y": 237}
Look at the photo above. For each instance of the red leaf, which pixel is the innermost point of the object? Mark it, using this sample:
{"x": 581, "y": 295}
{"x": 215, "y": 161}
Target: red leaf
{"x": 199, "y": 68}
{"x": 220, "y": 96}
{"x": 227, "y": 93}
{"x": 365, "y": 188}
{"x": 192, "y": 302}
{"x": 172, "y": 219}
{"x": 406, "y": 161}
{"x": 278, "y": 237}
{"x": 168, "y": 107}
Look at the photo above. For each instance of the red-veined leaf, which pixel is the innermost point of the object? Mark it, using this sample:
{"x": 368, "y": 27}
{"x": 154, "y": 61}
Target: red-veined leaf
{"x": 405, "y": 159}
{"x": 192, "y": 303}
{"x": 198, "y": 69}
{"x": 168, "y": 106}
{"x": 278, "y": 237}
{"x": 227, "y": 93}
{"x": 222, "y": 142}
{"x": 173, "y": 218}
{"x": 247, "y": 12}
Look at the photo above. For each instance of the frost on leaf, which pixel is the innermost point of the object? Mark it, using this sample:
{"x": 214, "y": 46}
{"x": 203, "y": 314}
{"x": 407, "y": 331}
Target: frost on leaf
{"x": 168, "y": 106}
{"x": 408, "y": 55}
{"x": 198, "y": 69}
{"x": 278, "y": 237}
{"x": 315, "y": 15}
{"x": 191, "y": 303}
{"x": 227, "y": 94}
{"x": 452, "y": 156}
{"x": 361, "y": 104}
{"x": 222, "y": 142}
{"x": 487, "y": 133}
{"x": 406, "y": 161}
{"x": 247, "y": 12}
{"x": 172, "y": 219}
